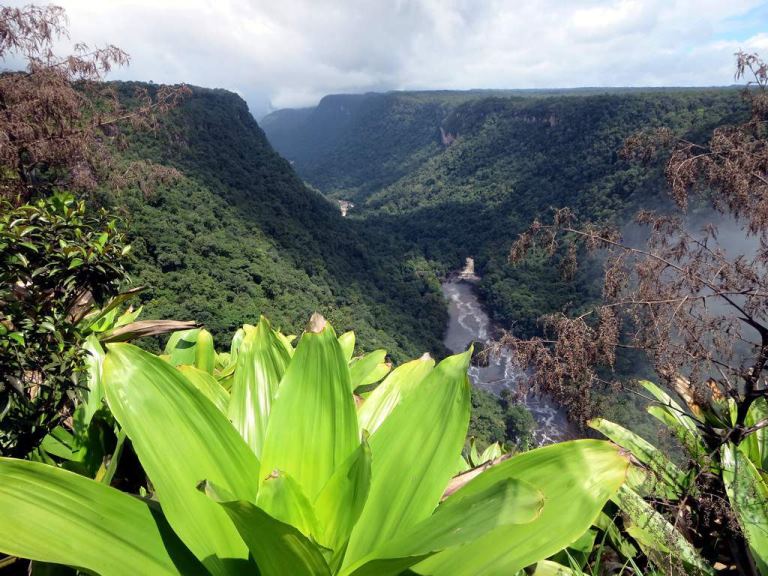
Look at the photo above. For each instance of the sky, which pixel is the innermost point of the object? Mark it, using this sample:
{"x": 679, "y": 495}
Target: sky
{"x": 290, "y": 53}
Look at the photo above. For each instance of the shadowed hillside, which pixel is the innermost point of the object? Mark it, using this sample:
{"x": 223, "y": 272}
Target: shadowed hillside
{"x": 240, "y": 235}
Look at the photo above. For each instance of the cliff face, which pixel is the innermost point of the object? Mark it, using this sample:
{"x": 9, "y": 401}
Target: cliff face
{"x": 240, "y": 235}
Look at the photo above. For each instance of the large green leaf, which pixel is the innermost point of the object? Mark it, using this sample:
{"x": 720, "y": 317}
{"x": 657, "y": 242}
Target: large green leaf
{"x": 748, "y": 494}
{"x": 661, "y": 468}
{"x": 287, "y": 341}
{"x": 278, "y": 548}
{"x": 237, "y": 340}
{"x": 576, "y": 478}
{"x": 93, "y": 395}
{"x": 342, "y": 499}
{"x": 757, "y": 442}
{"x": 492, "y": 452}
{"x": 181, "y": 438}
{"x": 659, "y": 539}
{"x": 682, "y": 423}
{"x": 388, "y": 394}
{"x": 312, "y": 428}
{"x": 208, "y": 385}
{"x": 414, "y": 454}
{"x": 462, "y": 518}
{"x": 347, "y": 343}
{"x": 261, "y": 362}
{"x": 692, "y": 441}
{"x": 549, "y": 568}
{"x": 205, "y": 353}
{"x": 52, "y": 515}
{"x": 181, "y": 346}
{"x": 368, "y": 369}
{"x": 281, "y": 497}
{"x": 615, "y": 536}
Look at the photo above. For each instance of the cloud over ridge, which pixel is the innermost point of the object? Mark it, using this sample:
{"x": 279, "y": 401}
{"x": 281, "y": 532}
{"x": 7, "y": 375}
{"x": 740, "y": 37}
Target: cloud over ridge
{"x": 292, "y": 52}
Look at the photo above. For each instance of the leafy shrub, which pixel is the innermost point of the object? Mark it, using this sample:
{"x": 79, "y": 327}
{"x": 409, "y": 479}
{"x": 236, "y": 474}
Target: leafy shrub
{"x": 56, "y": 262}
{"x": 270, "y": 459}
{"x": 722, "y": 479}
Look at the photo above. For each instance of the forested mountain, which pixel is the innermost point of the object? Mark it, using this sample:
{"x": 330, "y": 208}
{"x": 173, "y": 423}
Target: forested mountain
{"x": 239, "y": 235}
{"x": 461, "y": 173}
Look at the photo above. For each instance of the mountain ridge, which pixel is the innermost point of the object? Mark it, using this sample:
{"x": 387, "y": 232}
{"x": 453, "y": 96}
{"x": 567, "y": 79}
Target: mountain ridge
{"x": 507, "y": 162}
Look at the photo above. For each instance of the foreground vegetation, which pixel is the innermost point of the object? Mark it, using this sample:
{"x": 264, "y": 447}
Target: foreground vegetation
{"x": 264, "y": 460}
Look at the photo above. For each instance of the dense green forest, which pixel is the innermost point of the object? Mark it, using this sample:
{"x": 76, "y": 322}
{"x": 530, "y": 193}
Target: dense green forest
{"x": 239, "y": 235}
{"x": 462, "y": 173}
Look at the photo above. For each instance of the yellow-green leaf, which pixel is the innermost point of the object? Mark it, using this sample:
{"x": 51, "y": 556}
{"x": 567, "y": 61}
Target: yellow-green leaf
{"x": 312, "y": 427}
{"x": 462, "y": 518}
{"x": 283, "y": 499}
{"x": 757, "y": 442}
{"x": 658, "y": 538}
{"x": 208, "y": 385}
{"x": 347, "y": 343}
{"x": 261, "y": 362}
{"x": 748, "y": 494}
{"x": 52, "y": 515}
{"x": 205, "y": 354}
{"x": 368, "y": 369}
{"x": 388, "y": 394}
{"x": 278, "y": 548}
{"x": 181, "y": 346}
{"x": 93, "y": 395}
{"x": 678, "y": 419}
{"x": 342, "y": 499}
{"x": 661, "y": 467}
{"x": 549, "y": 568}
{"x": 576, "y": 479}
{"x": 491, "y": 453}
{"x": 414, "y": 454}
{"x": 181, "y": 438}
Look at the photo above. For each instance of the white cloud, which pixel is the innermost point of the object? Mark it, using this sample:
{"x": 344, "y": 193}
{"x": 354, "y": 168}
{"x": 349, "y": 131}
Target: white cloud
{"x": 292, "y": 52}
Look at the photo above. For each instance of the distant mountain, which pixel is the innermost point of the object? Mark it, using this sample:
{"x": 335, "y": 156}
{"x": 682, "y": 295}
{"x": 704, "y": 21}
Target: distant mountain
{"x": 359, "y": 143}
{"x": 462, "y": 173}
{"x": 241, "y": 235}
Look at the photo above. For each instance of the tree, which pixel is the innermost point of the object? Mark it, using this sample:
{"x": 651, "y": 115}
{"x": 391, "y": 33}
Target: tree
{"x": 693, "y": 304}
{"x": 57, "y": 118}
{"x": 58, "y": 258}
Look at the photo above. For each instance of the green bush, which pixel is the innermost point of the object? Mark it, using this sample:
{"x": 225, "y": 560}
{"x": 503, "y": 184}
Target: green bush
{"x": 57, "y": 260}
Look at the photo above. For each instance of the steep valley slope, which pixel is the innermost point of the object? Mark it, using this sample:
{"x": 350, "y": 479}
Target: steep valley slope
{"x": 460, "y": 174}
{"x": 239, "y": 235}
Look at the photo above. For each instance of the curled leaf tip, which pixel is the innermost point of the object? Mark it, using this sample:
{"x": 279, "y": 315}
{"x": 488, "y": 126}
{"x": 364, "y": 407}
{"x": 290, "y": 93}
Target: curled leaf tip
{"x": 426, "y": 356}
{"x": 316, "y": 323}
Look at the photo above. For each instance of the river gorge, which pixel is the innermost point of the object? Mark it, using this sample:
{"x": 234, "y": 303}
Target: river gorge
{"x": 468, "y": 322}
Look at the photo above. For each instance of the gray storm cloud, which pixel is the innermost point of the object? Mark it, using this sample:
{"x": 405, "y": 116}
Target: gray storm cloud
{"x": 292, "y": 52}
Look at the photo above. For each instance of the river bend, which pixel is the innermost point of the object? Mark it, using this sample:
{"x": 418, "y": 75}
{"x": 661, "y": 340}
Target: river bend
{"x": 468, "y": 322}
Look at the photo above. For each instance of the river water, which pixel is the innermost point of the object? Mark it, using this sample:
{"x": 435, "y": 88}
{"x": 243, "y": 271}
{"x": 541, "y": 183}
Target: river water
{"x": 469, "y": 323}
